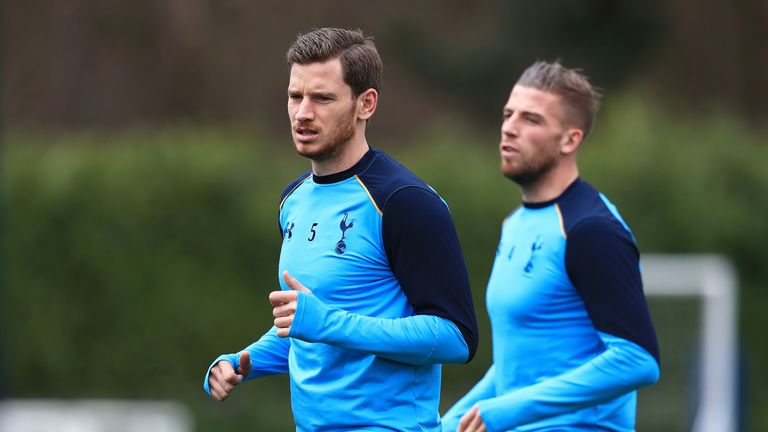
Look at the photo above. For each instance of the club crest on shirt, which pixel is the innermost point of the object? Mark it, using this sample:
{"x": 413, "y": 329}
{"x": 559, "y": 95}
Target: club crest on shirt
{"x": 536, "y": 246}
{"x": 288, "y": 231}
{"x": 341, "y": 247}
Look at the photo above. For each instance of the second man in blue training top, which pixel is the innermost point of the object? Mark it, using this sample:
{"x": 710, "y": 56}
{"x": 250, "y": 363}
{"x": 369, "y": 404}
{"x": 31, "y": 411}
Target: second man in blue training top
{"x": 572, "y": 335}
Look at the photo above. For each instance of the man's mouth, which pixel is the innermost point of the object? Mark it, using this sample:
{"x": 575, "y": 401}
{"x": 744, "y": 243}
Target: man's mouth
{"x": 507, "y": 150}
{"x": 305, "y": 134}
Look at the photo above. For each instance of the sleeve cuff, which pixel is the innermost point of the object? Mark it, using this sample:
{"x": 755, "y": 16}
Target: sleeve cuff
{"x": 309, "y": 318}
{"x": 231, "y": 358}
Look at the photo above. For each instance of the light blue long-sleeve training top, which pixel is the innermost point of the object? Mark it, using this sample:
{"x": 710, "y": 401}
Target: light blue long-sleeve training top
{"x": 572, "y": 335}
{"x": 390, "y": 300}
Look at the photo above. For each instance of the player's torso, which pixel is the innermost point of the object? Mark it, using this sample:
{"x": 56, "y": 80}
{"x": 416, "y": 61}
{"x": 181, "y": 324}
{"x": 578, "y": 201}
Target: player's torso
{"x": 540, "y": 327}
{"x": 332, "y": 244}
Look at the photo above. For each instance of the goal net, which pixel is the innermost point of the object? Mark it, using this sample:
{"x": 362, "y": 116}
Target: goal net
{"x": 693, "y": 301}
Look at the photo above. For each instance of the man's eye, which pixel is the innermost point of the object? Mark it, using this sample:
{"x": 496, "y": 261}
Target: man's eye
{"x": 533, "y": 120}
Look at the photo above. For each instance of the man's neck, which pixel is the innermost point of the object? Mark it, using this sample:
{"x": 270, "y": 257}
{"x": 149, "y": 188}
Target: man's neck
{"x": 346, "y": 159}
{"x": 551, "y": 185}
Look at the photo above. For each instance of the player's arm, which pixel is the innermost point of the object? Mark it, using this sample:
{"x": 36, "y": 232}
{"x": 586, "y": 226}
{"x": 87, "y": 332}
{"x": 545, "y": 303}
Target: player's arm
{"x": 266, "y": 356}
{"x": 603, "y": 263}
{"x": 484, "y": 389}
{"x": 621, "y": 368}
{"x": 425, "y": 255}
{"x": 420, "y": 339}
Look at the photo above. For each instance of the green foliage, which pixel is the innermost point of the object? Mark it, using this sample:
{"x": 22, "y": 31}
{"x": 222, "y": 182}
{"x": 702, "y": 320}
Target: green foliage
{"x": 128, "y": 259}
{"x": 132, "y": 260}
{"x": 610, "y": 40}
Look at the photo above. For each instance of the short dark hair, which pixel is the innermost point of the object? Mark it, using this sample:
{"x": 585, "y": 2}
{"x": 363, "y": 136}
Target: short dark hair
{"x": 582, "y": 100}
{"x": 360, "y": 62}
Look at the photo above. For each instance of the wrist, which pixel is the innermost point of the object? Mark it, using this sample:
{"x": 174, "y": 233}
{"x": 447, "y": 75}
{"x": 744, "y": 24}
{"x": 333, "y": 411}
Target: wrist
{"x": 493, "y": 411}
{"x": 309, "y": 318}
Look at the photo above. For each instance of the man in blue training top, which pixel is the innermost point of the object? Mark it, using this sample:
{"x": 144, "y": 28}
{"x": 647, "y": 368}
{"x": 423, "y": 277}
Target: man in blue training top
{"x": 572, "y": 335}
{"x": 375, "y": 293}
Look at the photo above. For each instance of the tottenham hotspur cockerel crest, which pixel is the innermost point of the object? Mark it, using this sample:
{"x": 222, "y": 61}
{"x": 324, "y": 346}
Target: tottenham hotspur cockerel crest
{"x": 341, "y": 247}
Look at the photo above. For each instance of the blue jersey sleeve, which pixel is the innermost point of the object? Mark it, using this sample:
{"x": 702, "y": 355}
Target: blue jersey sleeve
{"x": 425, "y": 255}
{"x": 602, "y": 261}
{"x": 620, "y": 369}
{"x": 420, "y": 339}
{"x": 269, "y": 356}
{"x": 484, "y": 389}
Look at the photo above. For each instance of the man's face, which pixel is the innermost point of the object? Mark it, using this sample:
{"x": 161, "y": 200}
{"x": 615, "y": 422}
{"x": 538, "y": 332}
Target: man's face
{"x": 531, "y": 133}
{"x": 321, "y": 109}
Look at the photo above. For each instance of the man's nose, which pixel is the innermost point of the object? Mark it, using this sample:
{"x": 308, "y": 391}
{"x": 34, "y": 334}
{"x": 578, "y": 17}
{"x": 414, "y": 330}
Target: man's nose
{"x": 509, "y": 127}
{"x": 304, "y": 112}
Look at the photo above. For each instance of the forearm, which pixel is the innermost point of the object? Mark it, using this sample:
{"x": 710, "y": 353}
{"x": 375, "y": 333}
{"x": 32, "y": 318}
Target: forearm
{"x": 419, "y": 339}
{"x": 269, "y": 356}
{"x": 484, "y": 389}
{"x": 622, "y": 368}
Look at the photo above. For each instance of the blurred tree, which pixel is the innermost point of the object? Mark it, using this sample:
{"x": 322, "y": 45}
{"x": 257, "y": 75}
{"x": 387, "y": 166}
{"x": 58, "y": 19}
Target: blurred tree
{"x": 610, "y": 39}
{"x": 118, "y": 63}
{"x": 716, "y": 54}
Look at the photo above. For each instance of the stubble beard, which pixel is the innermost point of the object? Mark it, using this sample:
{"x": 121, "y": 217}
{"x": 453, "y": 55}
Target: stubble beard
{"x": 338, "y": 139}
{"x": 528, "y": 171}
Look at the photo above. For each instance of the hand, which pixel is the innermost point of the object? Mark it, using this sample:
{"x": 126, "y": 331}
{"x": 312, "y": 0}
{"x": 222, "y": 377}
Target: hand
{"x": 472, "y": 422}
{"x": 223, "y": 377}
{"x": 285, "y": 303}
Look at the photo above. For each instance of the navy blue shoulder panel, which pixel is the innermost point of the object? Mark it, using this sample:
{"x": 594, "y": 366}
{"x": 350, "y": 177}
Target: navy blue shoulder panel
{"x": 383, "y": 176}
{"x": 421, "y": 244}
{"x": 287, "y": 191}
{"x": 581, "y": 201}
{"x": 602, "y": 261}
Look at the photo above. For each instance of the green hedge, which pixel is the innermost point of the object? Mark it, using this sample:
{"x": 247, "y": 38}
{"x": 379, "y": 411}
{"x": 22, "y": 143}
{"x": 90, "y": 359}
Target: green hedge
{"x": 133, "y": 259}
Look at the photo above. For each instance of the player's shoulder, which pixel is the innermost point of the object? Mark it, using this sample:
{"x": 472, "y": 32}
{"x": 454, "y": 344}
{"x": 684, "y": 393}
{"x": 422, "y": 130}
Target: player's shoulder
{"x": 293, "y": 185}
{"x": 513, "y": 215}
{"x": 587, "y": 212}
{"x": 386, "y": 179}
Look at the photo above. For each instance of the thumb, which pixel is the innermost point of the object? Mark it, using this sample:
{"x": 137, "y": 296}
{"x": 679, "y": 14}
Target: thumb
{"x": 245, "y": 364}
{"x": 294, "y": 284}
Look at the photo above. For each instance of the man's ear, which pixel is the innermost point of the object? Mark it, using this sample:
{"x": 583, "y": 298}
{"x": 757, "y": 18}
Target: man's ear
{"x": 366, "y": 104}
{"x": 571, "y": 141}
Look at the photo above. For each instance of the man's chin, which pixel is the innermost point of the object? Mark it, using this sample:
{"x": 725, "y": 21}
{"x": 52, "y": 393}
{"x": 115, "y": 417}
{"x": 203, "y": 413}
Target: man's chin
{"x": 508, "y": 170}
{"x": 316, "y": 152}
{"x": 516, "y": 175}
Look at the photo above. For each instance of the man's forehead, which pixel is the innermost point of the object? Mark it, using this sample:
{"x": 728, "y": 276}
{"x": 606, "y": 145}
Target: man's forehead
{"x": 523, "y": 98}
{"x": 326, "y": 74}
{"x": 532, "y": 95}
